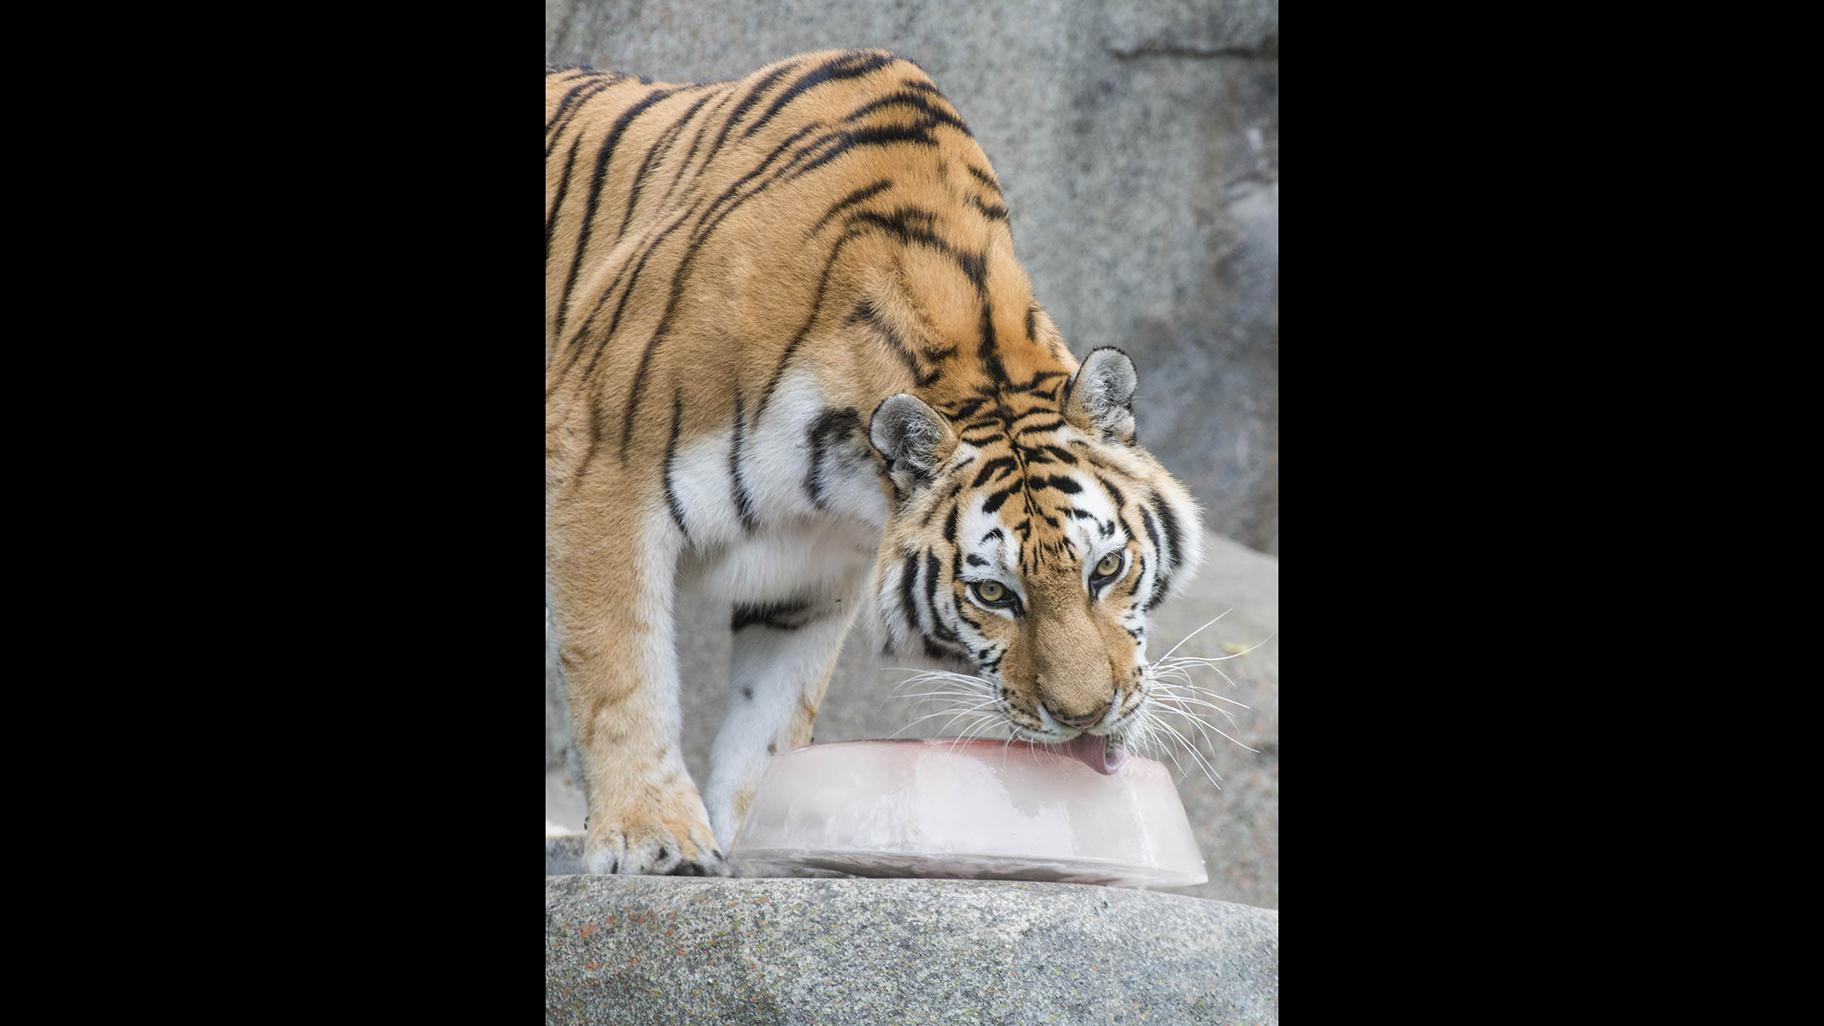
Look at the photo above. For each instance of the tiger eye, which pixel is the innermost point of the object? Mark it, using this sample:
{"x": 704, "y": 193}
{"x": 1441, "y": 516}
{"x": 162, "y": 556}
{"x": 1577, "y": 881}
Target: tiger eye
{"x": 990, "y": 591}
{"x": 1110, "y": 563}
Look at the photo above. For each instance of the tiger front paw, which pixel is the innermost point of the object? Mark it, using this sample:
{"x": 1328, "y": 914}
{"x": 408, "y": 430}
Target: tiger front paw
{"x": 655, "y": 841}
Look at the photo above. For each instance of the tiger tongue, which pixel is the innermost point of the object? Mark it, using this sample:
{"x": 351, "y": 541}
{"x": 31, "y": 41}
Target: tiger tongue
{"x": 1093, "y": 751}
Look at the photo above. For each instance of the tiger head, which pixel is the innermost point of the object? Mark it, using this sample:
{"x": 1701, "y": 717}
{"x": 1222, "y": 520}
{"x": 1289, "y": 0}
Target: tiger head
{"x": 1029, "y": 539}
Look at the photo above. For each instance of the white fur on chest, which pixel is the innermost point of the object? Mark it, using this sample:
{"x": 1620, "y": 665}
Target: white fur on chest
{"x": 814, "y": 506}
{"x": 807, "y": 559}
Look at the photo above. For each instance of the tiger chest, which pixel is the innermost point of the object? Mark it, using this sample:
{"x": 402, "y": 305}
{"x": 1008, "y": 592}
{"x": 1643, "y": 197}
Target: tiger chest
{"x": 791, "y": 503}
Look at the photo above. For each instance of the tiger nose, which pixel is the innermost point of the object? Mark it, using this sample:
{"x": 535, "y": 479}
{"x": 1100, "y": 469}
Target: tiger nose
{"x": 1081, "y": 722}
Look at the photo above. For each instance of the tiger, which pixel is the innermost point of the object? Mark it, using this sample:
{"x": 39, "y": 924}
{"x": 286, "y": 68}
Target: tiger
{"x": 792, "y": 362}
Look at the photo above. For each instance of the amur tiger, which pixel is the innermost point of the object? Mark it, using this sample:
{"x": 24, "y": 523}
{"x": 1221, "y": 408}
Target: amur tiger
{"x": 790, "y": 358}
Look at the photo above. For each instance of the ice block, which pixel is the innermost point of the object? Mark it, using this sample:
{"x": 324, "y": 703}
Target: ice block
{"x": 940, "y": 807}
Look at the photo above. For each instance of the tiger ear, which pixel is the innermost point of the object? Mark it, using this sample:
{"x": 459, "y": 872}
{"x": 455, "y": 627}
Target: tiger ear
{"x": 1100, "y": 396}
{"x": 914, "y": 438}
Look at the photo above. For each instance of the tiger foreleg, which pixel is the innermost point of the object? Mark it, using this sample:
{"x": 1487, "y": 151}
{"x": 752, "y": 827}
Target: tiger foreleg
{"x": 612, "y": 592}
{"x": 783, "y": 655}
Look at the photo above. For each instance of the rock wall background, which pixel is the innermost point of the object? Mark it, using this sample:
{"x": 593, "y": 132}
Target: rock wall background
{"x": 1138, "y": 146}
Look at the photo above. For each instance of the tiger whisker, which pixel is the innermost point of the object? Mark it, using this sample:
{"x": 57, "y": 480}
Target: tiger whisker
{"x": 1171, "y": 691}
{"x": 1171, "y": 703}
{"x": 1182, "y": 689}
{"x": 1232, "y": 655}
{"x": 941, "y": 712}
{"x": 1200, "y": 721}
{"x": 1196, "y": 756}
{"x": 960, "y": 715}
{"x": 940, "y": 694}
{"x": 1193, "y": 634}
{"x": 1212, "y": 726}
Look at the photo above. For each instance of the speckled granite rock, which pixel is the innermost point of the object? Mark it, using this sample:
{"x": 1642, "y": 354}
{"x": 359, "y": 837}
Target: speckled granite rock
{"x": 648, "y": 950}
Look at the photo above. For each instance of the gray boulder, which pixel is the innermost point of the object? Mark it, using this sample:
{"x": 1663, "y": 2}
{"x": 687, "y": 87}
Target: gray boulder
{"x": 633, "y": 951}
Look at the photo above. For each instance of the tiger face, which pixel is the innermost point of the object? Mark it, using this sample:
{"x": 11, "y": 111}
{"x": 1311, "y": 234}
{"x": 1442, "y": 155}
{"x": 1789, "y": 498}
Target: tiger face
{"x": 1029, "y": 539}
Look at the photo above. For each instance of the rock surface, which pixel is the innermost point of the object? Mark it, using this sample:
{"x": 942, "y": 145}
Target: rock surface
{"x": 1137, "y": 143}
{"x": 1236, "y": 827}
{"x": 649, "y": 950}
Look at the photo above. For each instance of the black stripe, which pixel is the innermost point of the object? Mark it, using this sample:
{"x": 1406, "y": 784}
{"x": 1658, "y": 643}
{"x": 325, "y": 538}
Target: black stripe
{"x": 1170, "y": 561}
{"x": 1113, "y": 492}
{"x": 1139, "y": 572}
{"x": 823, "y": 283}
{"x": 692, "y": 152}
{"x": 912, "y": 226}
{"x": 660, "y": 145}
{"x": 850, "y": 200}
{"x": 993, "y": 212}
{"x": 938, "y": 626}
{"x": 907, "y": 582}
{"x": 1050, "y": 425}
{"x": 967, "y": 408}
{"x": 595, "y": 196}
{"x": 1163, "y": 573}
{"x": 1152, "y": 534}
{"x": 996, "y": 499}
{"x": 950, "y": 526}
{"x": 1038, "y": 378}
{"x": 671, "y": 451}
{"x": 741, "y": 109}
{"x": 555, "y": 135}
{"x": 614, "y": 323}
{"x": 916, "y": 102}
{"x": 784, "y": 616}
{"x": 975, "y": 265}
{"x": 931, "y": 510}
{"x": 881, "y": 135}
{"x": 989, "y": 469}
{"x": 989, "y": 349}
{"x": 571, "y": 97}
{"x": 983, "y": 177}
{"x": 1031, "y": 313}
{"x": 849, "y": 65}
{"x": 1037, "y": 411}
{"x": 638, "y": 266}
{"x": 563, "y": 186}
{"x": 713, "y": 217}
{"x": 832, "y": 423}
{"x": 744, "y": 505}
{"x": 865, "y": 313}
